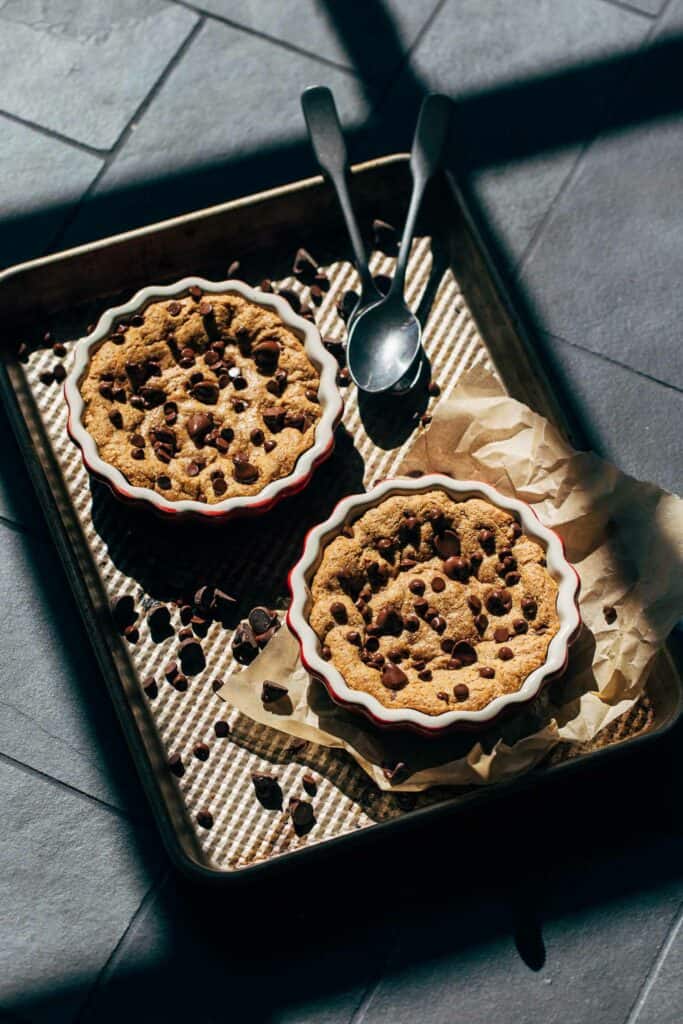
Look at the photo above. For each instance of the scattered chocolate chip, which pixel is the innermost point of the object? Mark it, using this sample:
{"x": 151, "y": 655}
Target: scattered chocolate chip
{"x": 175, "y": 764}
{"x": 393, "y": 677}
{"x": 217, "y": 685}
{"x": 291, "y": 297}
{"x": 417, "y": 586}
{"x": 310, "y": 784}
{"x": 272, "y": 692}
{"x": 461, "y": 691}
{"x": 520, "y": 625}
{"x": 347, "y": 304}
{"x": 59, "y": 349}
{"x": 221, "y": 729}
{"x": 59, "y": 373}
{"x": 171, "y": 670}
{"x": 411, "y": 623}
{"x": 304, "y": 266}
{"x": 438, "y": 584}
{"x": 438, "y": 623}
{"x": 185, "y": 633}
{"x": 132, "y": 634}
{"x": 205, "y": 818}
{"x": 425, "y": 419}
{"x": 425, "y": 675}
{"x": 457, "y": 568}
{"x": 316, "y": 294}
{"x": 195, "y": 291}
{"x": 123, "y": 610}
{"x": 499, "y": 602}
{"x": 529, "y": 607}
{"x": 191, "y": 657}
{"x": 384, "y": 237}
{"x": 244, "y": 645}
{"x": 205, "y": 391}
{"x": 389, "y": 621}
{"x": 433, "y": 389}
{"x": 609, "y": 613}
{"x": 268, "y": 791}
{"x": 505, "y": 653}
{"x": 343, "y": 378}
{"x": 201, "y": 751}
{"x": 150, "y": 687}
{"x": 179, "y": 682}
{"x": 46, "y": 377}
{"x": 159, "y": 622}
{"x": 501, "y": 634}
{"x": 244, "y": 471}
{"x": 486, "y": 672}
{"x": 302, "y": 815}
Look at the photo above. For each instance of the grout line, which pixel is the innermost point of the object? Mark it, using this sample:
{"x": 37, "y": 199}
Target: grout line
{"x": 405, "y": 62}
{"x": 83, "y": 147}
{"x": 614, "y": 362}
{"x": 630, "y": 8}
{"x": 292, "y": 47}
{"x": 73, "y": 790}
{"x": 18, "y": 527}
{"x": 92, "y": 994}
{"x": 373, "y": 987}
{"x": 657, "y": 965}
{"x": 125, "y": 134}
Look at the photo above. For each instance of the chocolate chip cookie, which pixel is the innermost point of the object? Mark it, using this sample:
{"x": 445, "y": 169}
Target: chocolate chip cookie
{"x": 434, "y": 604}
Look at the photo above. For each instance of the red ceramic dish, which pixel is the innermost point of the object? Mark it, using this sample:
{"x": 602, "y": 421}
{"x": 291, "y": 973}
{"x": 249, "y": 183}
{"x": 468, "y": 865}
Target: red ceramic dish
{"x": 302, "y": 574}
{"x": 330, "y": 403}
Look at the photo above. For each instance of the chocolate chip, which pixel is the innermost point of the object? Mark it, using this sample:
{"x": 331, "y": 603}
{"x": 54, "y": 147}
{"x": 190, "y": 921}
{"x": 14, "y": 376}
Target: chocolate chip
{"x": 520, "y": 625}
{"x": 272, "y": 692}
{"x": 192, "y": 469}
{"x": 201, "y": 751}
{"x": 501, "y": 634}
{"x": 438, "y": 623}
{"x": 406, "y": 564}
{"x": 185, "y": 633}
{"x": 150, "y": 687}
{"x": 316, "y": 294}
{"x": 529, "y": 607}
{"x": 486, "y": 672}
{"x": 505, "y": 653}
{"x": 411, "y": 623}
{"x": 205, "y": 308}
{"x": 433, "y": 389}
{"x": 164, "y": 483}
{"x": 191, "y": 657}
{"x": 116, "y": 419}
{"x": 425, "y": 675}
{"x": 217, "y": 685}
{"x": 372, "y": 644}
{"x": 447, "y": 544}
{"x": 268, "y": 791}
{"x": 312, "y": 396}
{"x": 417, "y": 586}
{"x": 244, "y": 472}
{"x": 205, "y": 391}
{"x": 515, "y": 531}
{"x": 219, "y": 486}
{"x": 343, "y": 378}
{"x": 609, "y": 613}
{"x": 474, "y": 603}
{"x": 512, "y": 578}
{"x": 59, "y": 349}
{"x": 222, "y": 604}
{"x": 205, "y": 818}
{"x": 499, "y": 602}
{"x": 137, "y": 402}
{"x": 304, "y": 266}
{"x": 221, "y": 729}
{"x": 457, "y": 568}
{"x": 442, "y": 695}
{"x": 174, "y": 308}
{"x": 244, "y": 645}
{"x": 438, "y": 584}
{"x": 487, "y": 539}
{"x": 325, "y": 652}
{"x": 393, "y": 677}
{"x": 132, "y": 634}
{"x": 59, "y": 373}
{"x": 353, "y": 637}
{"x": 338, "y": 612}
{"x": 461, "y": 691}
{"x": 176, "y": 766}
{"x": 447, "y": 644}
{"x": 23, "y": 352}
{"x": 171, "y": 670}
{"x": 159, "y": 622}
{"x": 347, "y": 304}
{"x": 481, "y": 622}
{"x": 274, "y": 418}
{"x": 421, "y": 606}
{"x": 310, "y": 784}
{"x": 465, "y": 652}
{"x": 291, "y": 297}
{"x": 266, "y": 354}
{"x": 295, "y": 419}
{"x": 46, "y": 377}
{"x": 384, "y": 237}
{"x": 106, "y": 391}
{"x": 261, "y": 618}
{"x": 389, "y": 621}
{"x": 123, "y": 610}
{"x": 179, "y": 682}
{"x": 301, "y": 813}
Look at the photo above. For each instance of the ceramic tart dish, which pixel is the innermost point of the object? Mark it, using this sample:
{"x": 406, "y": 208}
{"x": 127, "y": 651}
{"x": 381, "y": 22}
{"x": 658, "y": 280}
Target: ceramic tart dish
{"x": 433, "y": 603}
{"x": 203, "y": 399}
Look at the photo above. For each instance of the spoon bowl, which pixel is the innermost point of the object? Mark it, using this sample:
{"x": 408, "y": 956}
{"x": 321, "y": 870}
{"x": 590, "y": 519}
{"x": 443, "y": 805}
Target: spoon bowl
{"x": 379, "y": 367}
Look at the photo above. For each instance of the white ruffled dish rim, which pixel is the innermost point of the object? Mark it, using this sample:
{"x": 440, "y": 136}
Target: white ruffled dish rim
{"x": 330, "y": 399}
{"x": 349, "y": 509}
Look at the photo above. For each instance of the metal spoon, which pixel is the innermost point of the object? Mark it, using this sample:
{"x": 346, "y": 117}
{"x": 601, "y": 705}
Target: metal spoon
{"x": 384, "y": 340}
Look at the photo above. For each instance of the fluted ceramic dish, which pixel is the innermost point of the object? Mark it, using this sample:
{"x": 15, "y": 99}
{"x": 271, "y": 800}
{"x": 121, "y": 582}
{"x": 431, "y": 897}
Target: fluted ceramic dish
{"x": 349, "y": 509}
{"x": 331, "y": 407}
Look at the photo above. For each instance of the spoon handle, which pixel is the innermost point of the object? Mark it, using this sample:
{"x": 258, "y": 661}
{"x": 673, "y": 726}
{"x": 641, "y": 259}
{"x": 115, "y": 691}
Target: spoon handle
{"x": 327, "y": 141}
{"x": 429, "y": 146}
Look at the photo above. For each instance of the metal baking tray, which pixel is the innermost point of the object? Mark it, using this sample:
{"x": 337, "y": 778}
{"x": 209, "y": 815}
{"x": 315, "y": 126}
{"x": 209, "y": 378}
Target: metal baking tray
{"x": 108, "y": 549}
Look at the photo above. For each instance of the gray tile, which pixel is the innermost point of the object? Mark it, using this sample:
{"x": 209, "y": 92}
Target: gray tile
{"x": 530, "y": 75}
{"x": 226, "y": 122}
{"x": 41, "y": 179}
{"x": 662, "y": 999}
{"x": 73, "y": 874}
{"x": 252, "y": 956}
{"x": 607, "y": 268}
{"x": 56, "y": 713}
{"x": 369, "y": 38}
{"x": 83, "y": 69}
{"x": 653, "y": 7}
{"x": 631, "y": 420}
{"x": 549, "y": 964}
{"x": 18, "y": 503}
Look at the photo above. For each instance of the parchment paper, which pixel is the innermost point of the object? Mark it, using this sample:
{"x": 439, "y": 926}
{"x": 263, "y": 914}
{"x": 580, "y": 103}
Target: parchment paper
{"x": 625, "y": 539}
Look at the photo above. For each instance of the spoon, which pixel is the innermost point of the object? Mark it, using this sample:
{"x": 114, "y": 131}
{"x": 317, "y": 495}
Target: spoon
{"x": 327, "y": 140}
{"x": 384, "y": 340}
